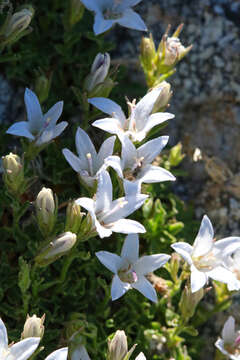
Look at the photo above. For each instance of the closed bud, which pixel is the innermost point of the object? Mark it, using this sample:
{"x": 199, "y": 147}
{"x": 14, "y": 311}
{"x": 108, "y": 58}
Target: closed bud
{"x": 17, "y": 23}
{"x": 117, "y": 346}
{"x": 147, "y": 53}
{"x": 73, "y": 217}
{"x": 13, "y": 175}
{"x": 76, "y": 11}
{"x": 176, "y": 155}
{"x": 162, "y": 101}
{"x": 42, "y": 86}
{"x": 33, "y": 327}
{"x": 99, "y": 71}
{"x": 46, "y": 210}
{"x": 189, "y": 301}
{"x": 57, "y": 248}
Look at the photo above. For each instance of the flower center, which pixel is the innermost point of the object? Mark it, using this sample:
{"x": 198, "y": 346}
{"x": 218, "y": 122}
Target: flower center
{"x": 127, "y": 274}
{"x": 112, "y": 13}
{"x": 206, "y": 262}
{"x": 131, "y": 174}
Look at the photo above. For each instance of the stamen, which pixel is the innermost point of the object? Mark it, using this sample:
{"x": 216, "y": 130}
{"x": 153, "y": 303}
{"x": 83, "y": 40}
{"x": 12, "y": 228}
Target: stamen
{"x": 90, "y": 163}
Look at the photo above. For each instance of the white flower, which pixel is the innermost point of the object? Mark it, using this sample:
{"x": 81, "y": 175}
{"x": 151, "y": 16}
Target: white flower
{"x": 229, "y": 344}
{"x": 206, "y": 257}
{"x": 19, "y": 351}
{"x": 88, "y": 163}
{"x": 80, "y": 353}
{"x": 108, "y": 215}
{"x": 110, "y": 12}
{"x": 135, "y": 164}
{"x": 60, "y": 354}
{"x": 99, "y": 71}
{"x": 232, "y": 262}
{"x": 39, "y": 128}
{"x": 140, "y": 121}
{"x": 130, "y": 270}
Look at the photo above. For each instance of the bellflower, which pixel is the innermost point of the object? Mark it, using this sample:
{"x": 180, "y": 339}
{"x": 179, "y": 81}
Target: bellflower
{"x": 140, "y": 121}
{"x": 22, "y": 350}
{"x": 130, "y": 270}
{"x": 88, "y": 162}
{"x": 108, "y": 215}
{"x": 135, "y": 164}
{"x": 206, "y": 257}
{"x": 229, "y": 344}
{"x": 110, "y": 12}
{"x": 39, "y": 128}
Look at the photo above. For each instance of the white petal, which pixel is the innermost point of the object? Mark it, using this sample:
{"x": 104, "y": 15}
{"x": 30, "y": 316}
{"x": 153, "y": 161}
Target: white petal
{"x": 3, "y": 337}
{"x": 100, "y": 24}
{"x": 198, "y": 279}
{"x": 118, "y": 288}
{"x": 72, "y": 159}
{"x": 132, "y": 20}
{"x": 109, "y": 107}
{"x": 220, "y": 345}
{"x": 50, "y": 134}
{"x": 126, "y": 226}
{"x": 228, "y": 331}
{"x": 156, "y": 119}
{"x": 20, "y": 129}
{"x": 140, "y": 356}
{"x": 130, "y": 248}
{"x": 80, "y": 353}
{"x": 130, "y": 3}
{"x": 185, "y": 250}
{"x": 53, "y": 114}
{"x": 24, "y": 349}
{"x": 60, "y": 354}
{"x": 228, "y": 245}
{"x": 145, "y": 288}
{"x": 105, "y": 150}
{"x": 222, "y": 274}
{"x": 34, "y": 112}
{"x": 123, "y": 207}
{"x": 84, "y": 146}
{"x": 153, "y": 174}
{"x": 104, "y": 192}
{"x": 102, "y": 230}
{"x": 86, "y": 203}
{"x": 204, "y": 240}
{"x": 110, "y": 125}
{"x": 115, "y": 163}
{"x": 131, "y": 188}
{"x": 150, "y": 263}
{"x": 129, "y": 153}
{"x": 111, "y": 261}
{"x": 152, "y": 148}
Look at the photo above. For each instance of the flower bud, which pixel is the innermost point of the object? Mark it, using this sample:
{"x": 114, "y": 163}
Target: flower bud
{"x": 42, "y": 86}
{"x": 118, "y": 346}
{"x": 57, "y": 248}
{"x": 148, "y": 53}
{"x": 99, "y": 71}
{"x": 73, "y": 217}
{"x": 33, "y": 327}
{"x": 76, "y": 11}
{"x": 46, "y": 210}
{"x": 189, "y": 301}
{"x": 17, "y": 23}
{"x": 162, "y": 101}
{"x": 13, "y": 175}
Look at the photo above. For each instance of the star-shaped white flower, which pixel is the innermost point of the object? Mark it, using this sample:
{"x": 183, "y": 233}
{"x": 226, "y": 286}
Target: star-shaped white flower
{"x": 88, "y": 162}
{"x": 39, "y": 128}
{"x": 110, "y": 12}
{"x": 22, "y": 350}
{"x": 229, "y": 344}
{"x": 130, "y": 270}
{"x": 108, "y": 215}
{"x": 140, "y": 121}
{"x": 135, "y": 164}
{"x": 206, "y": 257}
